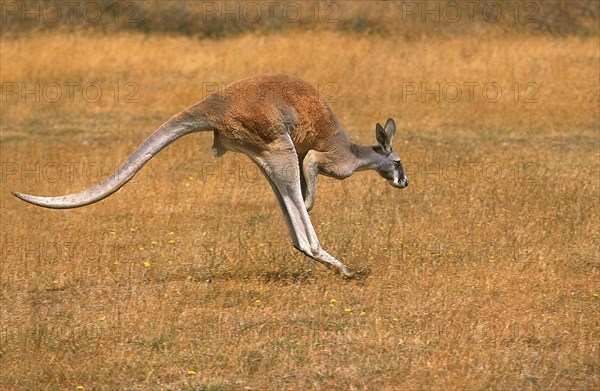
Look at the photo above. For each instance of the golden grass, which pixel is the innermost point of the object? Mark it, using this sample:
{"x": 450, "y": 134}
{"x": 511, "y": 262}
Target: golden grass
{"x": 411, "y": 19}
{"x": 484, "y": 271}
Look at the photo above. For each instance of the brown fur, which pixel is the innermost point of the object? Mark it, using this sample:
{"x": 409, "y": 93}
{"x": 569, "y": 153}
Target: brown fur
{"x": 253, "y": 113}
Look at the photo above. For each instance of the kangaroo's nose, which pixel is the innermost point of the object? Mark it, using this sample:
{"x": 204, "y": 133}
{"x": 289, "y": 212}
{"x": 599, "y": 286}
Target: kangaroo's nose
{"x": 403, "y": 182}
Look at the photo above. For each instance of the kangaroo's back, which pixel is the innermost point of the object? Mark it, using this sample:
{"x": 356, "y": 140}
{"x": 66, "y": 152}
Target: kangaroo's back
{"x": 260, "y": 108}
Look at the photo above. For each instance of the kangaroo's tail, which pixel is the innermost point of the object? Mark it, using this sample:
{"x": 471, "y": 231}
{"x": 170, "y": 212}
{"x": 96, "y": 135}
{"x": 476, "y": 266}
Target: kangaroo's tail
{"x": 178, "y": 126}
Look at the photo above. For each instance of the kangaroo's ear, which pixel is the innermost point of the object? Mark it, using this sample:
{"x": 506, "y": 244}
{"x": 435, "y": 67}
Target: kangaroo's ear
{"x": 384, "y": 134}
{"x": 390, "y": 129}
{"x": 380, "y": 135}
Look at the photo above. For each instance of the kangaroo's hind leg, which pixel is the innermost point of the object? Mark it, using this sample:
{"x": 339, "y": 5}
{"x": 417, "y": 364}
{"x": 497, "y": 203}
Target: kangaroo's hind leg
{"x": 282, "y": 169}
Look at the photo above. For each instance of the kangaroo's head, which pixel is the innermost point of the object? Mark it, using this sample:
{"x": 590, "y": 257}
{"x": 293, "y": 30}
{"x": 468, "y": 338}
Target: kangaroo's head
{"x": 390, "y": 166}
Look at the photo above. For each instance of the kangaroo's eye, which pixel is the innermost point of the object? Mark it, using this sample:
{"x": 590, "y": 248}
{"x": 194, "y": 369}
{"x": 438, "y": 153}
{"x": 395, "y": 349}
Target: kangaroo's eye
{"x": 397, "y": 163}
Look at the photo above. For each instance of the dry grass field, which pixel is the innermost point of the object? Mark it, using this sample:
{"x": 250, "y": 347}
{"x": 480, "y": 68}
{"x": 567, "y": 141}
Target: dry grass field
{"x": 484, "y": 272}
